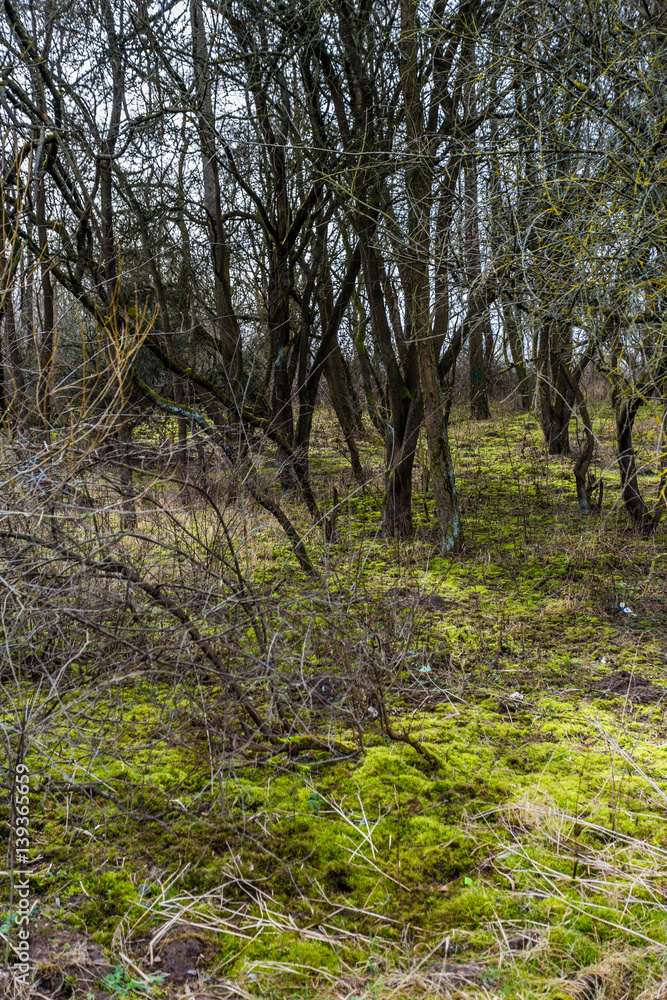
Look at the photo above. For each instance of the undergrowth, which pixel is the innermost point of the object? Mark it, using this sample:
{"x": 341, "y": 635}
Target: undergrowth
{"x": 469, "y": 801}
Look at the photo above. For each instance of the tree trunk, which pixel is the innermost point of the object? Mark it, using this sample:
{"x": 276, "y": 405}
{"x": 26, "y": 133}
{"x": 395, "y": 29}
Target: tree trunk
{"x": 405, "y": 400}
{"x": 129, "y": 511}
{"x": 355, "y": 400}
{"x": 46, "y": 348}
{"x": 627, "y": 464}
{"x": 13, "y": 388}
{"x": 557, "y": 431}
{"x": 582, "y": 465}
{"x": 281, "y": 343}
{"x": 338, "y": 388}
{"x": 555, "y": 395}
{"x": 436, "y": 419}
{"x": 515, "y": 343}
{"x": 398, "y": 498}
{"x": 369, "y": 379}
{"x": 331, "y": 315}
{"x": 479, "y": 400}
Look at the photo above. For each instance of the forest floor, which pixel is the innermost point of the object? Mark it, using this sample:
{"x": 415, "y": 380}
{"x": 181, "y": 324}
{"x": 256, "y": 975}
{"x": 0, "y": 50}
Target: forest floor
{"x": 512, "y": 842}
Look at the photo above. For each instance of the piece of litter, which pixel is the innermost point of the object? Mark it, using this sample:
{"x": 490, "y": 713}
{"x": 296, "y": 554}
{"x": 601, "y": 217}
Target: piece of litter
{"x": 603, "y": 660}
{"x": 515, "y": 696}
{"x": 372, "y": 712}
{"x": 426, "y": 669}
{"x": 625, "y": 609}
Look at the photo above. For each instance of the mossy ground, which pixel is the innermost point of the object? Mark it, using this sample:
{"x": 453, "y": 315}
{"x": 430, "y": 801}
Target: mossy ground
{"x": 523, "y": 848}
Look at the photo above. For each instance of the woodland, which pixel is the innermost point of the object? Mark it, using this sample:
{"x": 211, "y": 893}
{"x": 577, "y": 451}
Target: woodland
{"x": 333, "y": 474}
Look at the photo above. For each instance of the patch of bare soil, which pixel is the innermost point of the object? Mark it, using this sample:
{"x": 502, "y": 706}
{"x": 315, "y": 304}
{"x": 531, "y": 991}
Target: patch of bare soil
{"x": 524, "y": 941}
{"x": 68, "y": 965}
{"x": 623, "y": 684}
{"x": 428, "y": 602}
{"x": 65, "y": 963}
{"x": 181, "y": 957}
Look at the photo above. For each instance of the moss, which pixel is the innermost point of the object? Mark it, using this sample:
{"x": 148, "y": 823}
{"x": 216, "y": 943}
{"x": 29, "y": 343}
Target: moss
{"x": 509, "y": 820}
{"x": 446, "y": 861}
{"x": 108, "y": 897}
{"x": 339, "y": 877}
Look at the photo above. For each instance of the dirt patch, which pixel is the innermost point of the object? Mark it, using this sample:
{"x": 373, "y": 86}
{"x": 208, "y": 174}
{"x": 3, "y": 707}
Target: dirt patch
{"x": 524, "y": 941}
{"x": 51, "y": 944}
{"x": 395, "y": 594}
{"x": 66, "y": 964}
{"x": 433, "y": 602}
{"x": 181, "y": 958}
{"x": 429, "y": 602}
{"x": 623, "y": 684}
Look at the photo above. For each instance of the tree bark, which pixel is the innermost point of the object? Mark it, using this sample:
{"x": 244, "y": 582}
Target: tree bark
{"x": 14, "y": 386}
{"x": 405, "y": 400}
{"x": 46, "y": 349}
{"x": 554, "y": 352}
{"x": 626, "y": 411}
{"x": 582, "y": 465}
{"x": 338, "y": 388}
{"x": 515, "y": 343}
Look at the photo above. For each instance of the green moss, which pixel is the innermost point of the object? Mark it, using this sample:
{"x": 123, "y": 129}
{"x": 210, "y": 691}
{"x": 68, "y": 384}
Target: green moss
{"x": 546, "y": 811}
{"x": 108, "y": 897}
